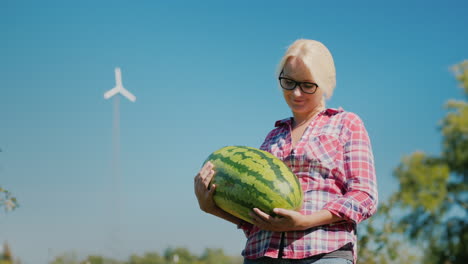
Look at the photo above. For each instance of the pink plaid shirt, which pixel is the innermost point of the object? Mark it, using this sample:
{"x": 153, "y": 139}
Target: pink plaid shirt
{"x": 335, "y": 166}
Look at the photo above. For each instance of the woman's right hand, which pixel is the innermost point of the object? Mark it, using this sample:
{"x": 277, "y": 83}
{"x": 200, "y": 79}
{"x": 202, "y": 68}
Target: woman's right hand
{"x": 203, "y": 190}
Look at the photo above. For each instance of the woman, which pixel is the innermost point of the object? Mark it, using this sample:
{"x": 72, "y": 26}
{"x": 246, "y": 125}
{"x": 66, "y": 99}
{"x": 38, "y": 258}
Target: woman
{"x": 330, "y": 153}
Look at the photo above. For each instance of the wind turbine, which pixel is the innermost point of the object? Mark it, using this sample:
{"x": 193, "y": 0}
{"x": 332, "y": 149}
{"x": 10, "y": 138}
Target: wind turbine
{"x": 119, "y": 88}
{"x": 116, "y": 170}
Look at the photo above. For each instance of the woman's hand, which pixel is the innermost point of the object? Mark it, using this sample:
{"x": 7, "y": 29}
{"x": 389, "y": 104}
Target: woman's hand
{"x": 286, "y": 220}
{"x": 204, "y": 191}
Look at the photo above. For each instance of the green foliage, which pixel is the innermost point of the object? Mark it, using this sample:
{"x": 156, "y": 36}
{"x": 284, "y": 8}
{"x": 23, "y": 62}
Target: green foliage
{"x": 179, "y": 255}
{"x": 380, "y": 239}
{"x": 170, "y": 256}
{"x": 431, "y": 205}
{"x": 147, "y": 258}
{"x": 7, "y": 200}
{"x": 215, "y": 256}
{"x": 455, "y": 132}
{"x": 461, "y": 73}
{"x": 423, "y": 181}
{"x": 99, "y": 260}
{"x": 66, "y": 258}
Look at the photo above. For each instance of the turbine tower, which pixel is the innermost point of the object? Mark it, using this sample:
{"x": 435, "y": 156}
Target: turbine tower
{"x": 115, "y": 193}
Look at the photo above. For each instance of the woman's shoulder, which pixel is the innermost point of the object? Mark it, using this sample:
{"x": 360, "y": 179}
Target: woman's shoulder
{"x": 345, "y": 117}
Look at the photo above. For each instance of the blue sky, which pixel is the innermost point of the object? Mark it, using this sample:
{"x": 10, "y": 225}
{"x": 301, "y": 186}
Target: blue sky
{"x": 203, "y": 74}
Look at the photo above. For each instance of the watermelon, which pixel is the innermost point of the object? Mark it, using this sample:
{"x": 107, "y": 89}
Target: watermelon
{"x": 248, "y": 178}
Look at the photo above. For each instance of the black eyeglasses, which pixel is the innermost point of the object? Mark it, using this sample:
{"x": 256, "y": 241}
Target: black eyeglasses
{"x": 289, "y": 84}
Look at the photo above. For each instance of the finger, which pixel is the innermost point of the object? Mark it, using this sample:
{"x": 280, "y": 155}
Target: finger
{"x": 205, "y": 181}
{"x": 259, "y": 222}
{"x": 208, "y": 178}
{"x": 208, "y": 166}
{"x": 206, "y": 170}
{"x": 283, "y": 212}
{"x": 262, "y": 215}
{"x": 203, "y": 171}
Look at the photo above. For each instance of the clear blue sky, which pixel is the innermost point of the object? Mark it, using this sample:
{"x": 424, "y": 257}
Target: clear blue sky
{"x": 203, "y": 73}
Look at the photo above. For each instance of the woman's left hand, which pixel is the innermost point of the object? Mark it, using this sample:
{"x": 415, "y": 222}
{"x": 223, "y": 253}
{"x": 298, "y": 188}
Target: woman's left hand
{"x": 286, "y": 220}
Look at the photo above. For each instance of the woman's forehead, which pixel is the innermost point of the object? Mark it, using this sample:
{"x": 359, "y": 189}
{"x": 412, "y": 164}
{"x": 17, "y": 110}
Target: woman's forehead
{"x": 296, "y": 66}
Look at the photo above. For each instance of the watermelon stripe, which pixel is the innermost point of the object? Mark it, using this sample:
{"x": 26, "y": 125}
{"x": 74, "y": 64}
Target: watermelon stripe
{"x": 234, "y": 208}
{"x": 241, "y": 185}
{"x": 248, "y": 178}
{"x": 242, "y": 207}
{"x": 272, "y": 171}
{"x": 240, "y": 202}
{"x": 270, "y": 162}
{"x": 276, "y": 167}
{"x": 263, "y": 156}
{"x": 245, "y": 169}
{"x": 282, "y": 170}
{"x": 279, "y": 168}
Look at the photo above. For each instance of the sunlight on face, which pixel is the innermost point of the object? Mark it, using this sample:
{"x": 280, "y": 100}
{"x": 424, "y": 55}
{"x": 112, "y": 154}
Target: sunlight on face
{"x": 298, "y": 101}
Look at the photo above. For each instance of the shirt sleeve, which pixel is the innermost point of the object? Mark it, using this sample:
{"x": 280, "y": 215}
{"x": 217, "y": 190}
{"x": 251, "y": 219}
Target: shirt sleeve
{"x": 246, "y": 227}
{"x": 360, "y": 200}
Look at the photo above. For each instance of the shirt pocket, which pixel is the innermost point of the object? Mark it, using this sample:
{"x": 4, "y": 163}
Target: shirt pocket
{"x": 320, "y": 155}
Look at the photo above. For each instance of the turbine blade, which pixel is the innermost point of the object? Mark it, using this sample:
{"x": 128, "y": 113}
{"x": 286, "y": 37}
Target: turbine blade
{"x": 128, "y": 94}
{"x": 118, "y": 77}
{"x": 111, "y": 93}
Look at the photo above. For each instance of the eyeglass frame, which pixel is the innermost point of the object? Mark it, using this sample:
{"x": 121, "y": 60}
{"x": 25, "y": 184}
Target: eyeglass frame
{"x": 296, "y": 84}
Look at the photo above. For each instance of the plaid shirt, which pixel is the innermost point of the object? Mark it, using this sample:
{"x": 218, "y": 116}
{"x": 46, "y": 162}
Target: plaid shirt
{"x": 334, "y": 163}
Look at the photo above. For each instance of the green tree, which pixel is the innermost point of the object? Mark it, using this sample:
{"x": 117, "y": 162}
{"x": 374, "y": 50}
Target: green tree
{"x": 215, "y": 256}
{"x": 179, "y": 255}
{"x": 147, "y": 258}
{"x": 381, "y": 240}
{"x": 171, "y": 255}
{"x": 66, "y": 258}
{"x": 100, "y": 260}
{"x": 430, "y": 208}
{"x": 6, "y": 257}
{"x": 7, "y": 200}
{"x": 435, "y": 187}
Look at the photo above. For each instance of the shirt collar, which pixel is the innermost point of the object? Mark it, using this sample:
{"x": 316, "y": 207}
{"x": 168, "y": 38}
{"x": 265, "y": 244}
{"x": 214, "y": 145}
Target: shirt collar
{"x": 328, "y": 111}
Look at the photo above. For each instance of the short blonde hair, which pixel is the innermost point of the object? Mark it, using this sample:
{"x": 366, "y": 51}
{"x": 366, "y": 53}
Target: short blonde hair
{"x": 317, "y": 58}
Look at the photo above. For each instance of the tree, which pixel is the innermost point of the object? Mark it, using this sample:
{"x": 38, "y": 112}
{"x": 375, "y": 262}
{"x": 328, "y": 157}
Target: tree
{"x": 215, "y": 256}
{"x": 432, "y": 198}
{"x": 6, "y": 257}
{"x": 430, "y": 208}
{"x": 66, "y": 258}
{"x": 147, "y": 258}
{"x": 7, "y": 200}
{"x": 179, "y": 255}
{"x": 435, "y": 188}
{"x": 171, "y": 255}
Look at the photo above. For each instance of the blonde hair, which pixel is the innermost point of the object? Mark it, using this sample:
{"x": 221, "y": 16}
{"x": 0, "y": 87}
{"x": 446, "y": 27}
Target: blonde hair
{"x": 317, "y": 59}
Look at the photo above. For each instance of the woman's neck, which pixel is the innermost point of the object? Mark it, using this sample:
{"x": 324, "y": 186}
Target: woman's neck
{"x": 304, "y": 118}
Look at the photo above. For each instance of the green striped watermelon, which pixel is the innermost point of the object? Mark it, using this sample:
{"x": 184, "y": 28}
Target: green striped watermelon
{"x": 248, "y": 178}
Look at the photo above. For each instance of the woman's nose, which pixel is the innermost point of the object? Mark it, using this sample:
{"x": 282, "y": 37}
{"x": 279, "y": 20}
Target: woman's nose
{"x": 297, "y": 91}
